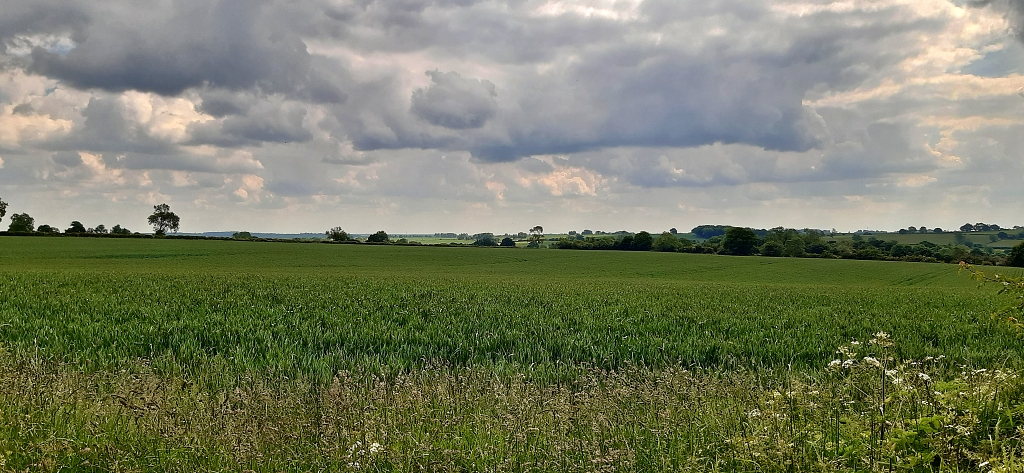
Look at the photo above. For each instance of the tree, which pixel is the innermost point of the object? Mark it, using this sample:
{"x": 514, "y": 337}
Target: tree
{"x": 740, "y": 241}
{"x": 337, "y": 234}
{"x": 507, "y": 242}
{"x": 100, "y": 229}
{"x": 22, "y": 223}
{"x": 967, "y": 228}
{"x": 3, "y": 209}
{"x": 536, "y": 236}
{"x": 118, "y": 230}
{"x": 643, "y": 241}
{"x": 379, "y": 237}
{"x": 673, "y": 230}
{"x": 47, "y": 229}
{"x": 667, "y": 242}
{"x": 76, "y": 227}
{"x": 1017, "y": 256}
{"x": 163, "y": 219}
{"x": 241, "y": 236}
{"x": 484, "y": 239}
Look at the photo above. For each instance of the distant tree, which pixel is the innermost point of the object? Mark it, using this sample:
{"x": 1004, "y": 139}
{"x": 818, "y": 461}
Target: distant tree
{"x": 100, "y": 229}
{"x": 484, "y": 239}
{"x": 1016, "y": 256}
{"x": 903, "y": 231}
{"x": 667, "y": 242}
{"x": 76, "y": 227}
{"x": 163, "y": 219}
{"x": 937, "y": 230}
{"x": 959, "y": 238}
{"x": 3, "y": 209}
{"x": 772, "y": 248}
{"x": 379, "y": 237}
{"x": 793, "y": 248}
{"x": 337, "y": 234}
{"x": 536, "y": 236}
{"x": 507, "y": 242}
{"x": 643, "y": 241}
{"x": 587, "y": 232}
{"x": 740, "y": 241}
{"x": 673, "y": 230}
{"x": 626, "y": 243}
{"x": 993, "y": 238}
{"x": 118, "y": 230}
{"x": 47, "y": 229}
{"x": 242, "y": 236}
{"x": 967, "y": 228}
{"x": 22, "y": 223}
{"x": 911, "y": 229}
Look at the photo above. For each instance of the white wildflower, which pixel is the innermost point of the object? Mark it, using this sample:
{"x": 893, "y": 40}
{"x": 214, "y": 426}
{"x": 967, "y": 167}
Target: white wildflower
{"x": 924, "y": 377}
{"x": 375, "y": 447}
{"x": 872, "y": 361}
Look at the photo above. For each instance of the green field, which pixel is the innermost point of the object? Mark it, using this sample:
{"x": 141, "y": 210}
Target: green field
{"x": 228, "y": 336}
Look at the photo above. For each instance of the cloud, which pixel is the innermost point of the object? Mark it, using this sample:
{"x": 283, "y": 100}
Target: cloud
{"x": 453, "y": 102}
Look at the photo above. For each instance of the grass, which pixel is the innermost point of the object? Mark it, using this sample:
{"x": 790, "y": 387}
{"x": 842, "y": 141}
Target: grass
{"x": 136, "y": 355}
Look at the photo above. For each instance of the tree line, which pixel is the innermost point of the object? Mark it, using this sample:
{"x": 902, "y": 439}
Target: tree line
{"x": 162, "y": 219}
{"x": 788, "y": 242}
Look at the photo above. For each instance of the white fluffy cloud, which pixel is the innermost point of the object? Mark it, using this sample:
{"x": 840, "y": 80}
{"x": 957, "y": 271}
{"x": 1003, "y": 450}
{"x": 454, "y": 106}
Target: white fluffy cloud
{"x": 496, "y": 115}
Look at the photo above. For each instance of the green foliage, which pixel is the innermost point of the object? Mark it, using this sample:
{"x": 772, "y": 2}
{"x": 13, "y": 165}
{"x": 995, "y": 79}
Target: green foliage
{"x": 1017, "y": 256}
{"x": 642, "y": 241}
{"x": 47, "y": 229}
{"x": 740, "y": 241}
{"x": 337, "y": 234}
{"x": 484, "y": 239}
{"x": 22, "y": 223}
{"x": 379, "y": 237}
{"x": 1012, "y": 286}
{"x": 507, "y": 242}
{"x": 119, "y": 230}
{"x": 162, "y": 219}
{"x": 3, "y": 209}
{"x": 667, "y": 242}
{"x": 242, "y": 236}
{"x": 76, "y": 227}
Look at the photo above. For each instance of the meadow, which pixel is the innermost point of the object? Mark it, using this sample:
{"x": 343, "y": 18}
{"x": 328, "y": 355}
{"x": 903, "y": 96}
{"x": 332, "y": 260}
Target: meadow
{"x": 162, "y": 355}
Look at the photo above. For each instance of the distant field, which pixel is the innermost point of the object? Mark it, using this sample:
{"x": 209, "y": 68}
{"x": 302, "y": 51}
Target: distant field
{"x": 309, "y": 309}
{"x": 174, "y": 355}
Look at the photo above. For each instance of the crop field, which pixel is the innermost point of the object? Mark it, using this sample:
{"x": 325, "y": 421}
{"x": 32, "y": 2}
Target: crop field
{"x": 162, "y": 355}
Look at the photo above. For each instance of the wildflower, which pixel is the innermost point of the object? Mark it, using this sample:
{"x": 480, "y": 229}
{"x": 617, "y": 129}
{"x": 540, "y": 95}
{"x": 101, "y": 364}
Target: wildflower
{"x": 924, "y": 377}
{"x": 872, "y": 361}
{"x": 848, "y": 363}
{"x": 835, "y": 363}
{"x": 375, "y": 447}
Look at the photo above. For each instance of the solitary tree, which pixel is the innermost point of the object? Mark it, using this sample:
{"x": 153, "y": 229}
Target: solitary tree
{"x": 163, "y": 219}
{"x": 22, "y": 223}
{"x": 536, "y": 236}
{"x": 3, "y": 209}
{"x": 507, "y": 242}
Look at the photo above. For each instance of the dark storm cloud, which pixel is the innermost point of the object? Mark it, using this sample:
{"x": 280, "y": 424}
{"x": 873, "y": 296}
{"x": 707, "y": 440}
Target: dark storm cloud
{"x": 264, "y": 122}
{"x": 613, "y": 84}
{"x": 22, "y": 17}
{"x": 168, "y": 48}
{"x": 453, "y": 102}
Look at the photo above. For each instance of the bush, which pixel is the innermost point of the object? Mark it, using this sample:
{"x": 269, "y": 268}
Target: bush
{"x": 379, "y": 237}
{"x": 1017, "y": 256}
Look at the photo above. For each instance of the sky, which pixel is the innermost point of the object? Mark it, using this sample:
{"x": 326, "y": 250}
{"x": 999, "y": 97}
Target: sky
{"x": 420, "y": 116}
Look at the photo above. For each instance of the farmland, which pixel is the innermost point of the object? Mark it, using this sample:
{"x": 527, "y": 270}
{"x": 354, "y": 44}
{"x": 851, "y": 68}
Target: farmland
{"x": 283, "y": 356}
